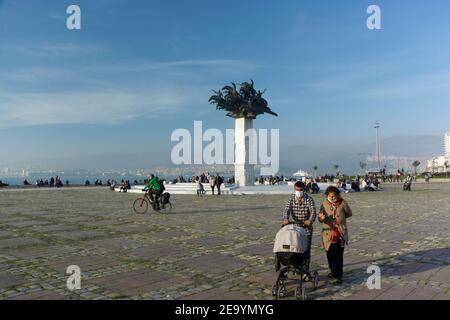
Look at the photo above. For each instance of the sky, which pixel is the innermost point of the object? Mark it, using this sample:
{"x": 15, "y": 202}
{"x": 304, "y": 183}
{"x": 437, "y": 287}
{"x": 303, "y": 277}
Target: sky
{"x": 137, "y": 70}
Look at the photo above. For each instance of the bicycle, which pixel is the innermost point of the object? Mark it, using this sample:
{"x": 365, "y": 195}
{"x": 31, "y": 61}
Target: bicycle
{"x": 140, "y": 205}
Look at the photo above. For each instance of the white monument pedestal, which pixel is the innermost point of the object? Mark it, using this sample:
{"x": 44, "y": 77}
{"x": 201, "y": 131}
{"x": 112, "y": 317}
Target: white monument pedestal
{"x": 244, "y": 142}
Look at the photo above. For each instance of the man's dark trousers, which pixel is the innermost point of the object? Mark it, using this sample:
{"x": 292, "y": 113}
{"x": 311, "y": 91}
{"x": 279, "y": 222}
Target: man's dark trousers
{"x": 157, "y": 194}
{"x": 310, "y": 234}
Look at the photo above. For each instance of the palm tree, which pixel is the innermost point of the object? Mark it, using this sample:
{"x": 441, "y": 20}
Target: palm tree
{"x": 244, "y": 102}
{"x": 315, "y": 169}
{"x": 336, "y": 167}
{"x": 415, "y": 164}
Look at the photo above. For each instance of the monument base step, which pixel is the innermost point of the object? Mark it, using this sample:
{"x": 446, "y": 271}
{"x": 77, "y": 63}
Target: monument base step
{"x": 184, "y": 188}
{"x": 191, "y": 189}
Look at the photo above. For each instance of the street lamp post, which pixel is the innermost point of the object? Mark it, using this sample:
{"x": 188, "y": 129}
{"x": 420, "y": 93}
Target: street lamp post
{"x": 378, "y": 151}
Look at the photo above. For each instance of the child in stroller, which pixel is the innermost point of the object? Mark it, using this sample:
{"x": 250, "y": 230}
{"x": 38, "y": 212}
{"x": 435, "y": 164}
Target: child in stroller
{"x": 291, "y": 255}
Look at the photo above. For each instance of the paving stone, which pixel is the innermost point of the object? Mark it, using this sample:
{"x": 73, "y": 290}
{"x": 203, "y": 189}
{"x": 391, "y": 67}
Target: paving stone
{"x": 213, "y": 247}
{"x": 156, "y": 251}
{"x": 79, "y": 235}
{"x": 442, "y": 296}
{"x": 395, "y": 293}
{"x": 442, "y": 276}
{"x": 18, "y": 242}
{"x": 214, "y": 263}
{"x": 421, "y": 294}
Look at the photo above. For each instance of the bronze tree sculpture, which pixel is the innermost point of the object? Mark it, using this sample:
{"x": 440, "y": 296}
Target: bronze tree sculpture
{"x": 245, "y": 103}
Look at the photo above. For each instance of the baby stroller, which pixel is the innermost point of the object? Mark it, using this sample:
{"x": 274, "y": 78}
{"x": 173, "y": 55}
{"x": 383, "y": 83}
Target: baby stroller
{"x": 407, "y": 186}
{"x": 291, "y": 256}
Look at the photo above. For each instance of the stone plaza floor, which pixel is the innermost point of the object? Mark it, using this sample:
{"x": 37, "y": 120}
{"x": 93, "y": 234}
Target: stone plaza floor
{"x": 213, "y": 247}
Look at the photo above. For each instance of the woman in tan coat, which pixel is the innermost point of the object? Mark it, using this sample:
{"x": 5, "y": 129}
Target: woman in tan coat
{"x": 333, "y": 215}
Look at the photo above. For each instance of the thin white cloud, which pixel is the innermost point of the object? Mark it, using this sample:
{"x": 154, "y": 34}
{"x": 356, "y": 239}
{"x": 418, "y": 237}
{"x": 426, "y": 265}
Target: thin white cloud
{"x": 154, "y": 70}
{"x": 345, "y": 76}
{"x": 53, "y": 50}
{"x": 37, "y": 75}
{"x": 72, "y": 48}
{"x": 34, "y": 109}
{"x": 112, "y": 93}
{"x": 212, "y": 66}
{"x": 380, "y": 81}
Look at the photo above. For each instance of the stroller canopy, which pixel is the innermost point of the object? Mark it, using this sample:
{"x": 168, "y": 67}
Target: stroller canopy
{"x": 291, "y": 238}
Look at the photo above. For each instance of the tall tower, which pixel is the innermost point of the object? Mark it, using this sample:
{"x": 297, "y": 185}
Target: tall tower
{"x": 378, "y": 144}
{"x": 447, "y": 144}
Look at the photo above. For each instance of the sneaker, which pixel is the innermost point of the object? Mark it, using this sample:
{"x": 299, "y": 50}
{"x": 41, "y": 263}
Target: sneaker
{"x": 306, "y": 277}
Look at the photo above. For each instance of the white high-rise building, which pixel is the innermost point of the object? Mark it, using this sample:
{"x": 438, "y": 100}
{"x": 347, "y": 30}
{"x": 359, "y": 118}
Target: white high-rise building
{"x": 439, "y": 164}
{"x": 447, "y": 144}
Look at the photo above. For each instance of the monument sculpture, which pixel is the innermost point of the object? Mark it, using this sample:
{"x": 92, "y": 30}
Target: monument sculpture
{"x": 244, "y": 105}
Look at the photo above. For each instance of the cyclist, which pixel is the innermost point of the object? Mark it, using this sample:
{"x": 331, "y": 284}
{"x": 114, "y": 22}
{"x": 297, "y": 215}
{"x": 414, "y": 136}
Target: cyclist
{"x": 154, "y": 188}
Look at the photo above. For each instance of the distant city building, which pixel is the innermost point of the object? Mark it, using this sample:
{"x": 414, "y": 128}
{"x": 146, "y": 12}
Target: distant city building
{"x": 447, "y": 144}
{"x": 439, "y": 164}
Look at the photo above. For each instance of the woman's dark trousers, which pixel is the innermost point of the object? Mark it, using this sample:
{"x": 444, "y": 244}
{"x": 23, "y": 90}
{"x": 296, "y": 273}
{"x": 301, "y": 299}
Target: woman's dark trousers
{"x": 335, "y": 256}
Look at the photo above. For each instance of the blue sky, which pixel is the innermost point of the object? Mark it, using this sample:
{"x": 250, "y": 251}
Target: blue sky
{"x": 139, "y": 69}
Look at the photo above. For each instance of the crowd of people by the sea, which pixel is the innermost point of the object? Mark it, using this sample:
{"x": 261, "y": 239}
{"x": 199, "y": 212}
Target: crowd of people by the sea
{"x": 271, "y": 180}
{"x": 56, "y": 182}
{"x": 53, "y": 182}
{"x": 213, "y": 182}
{"x": 368, "y": 182}
{"x": 358, "y": 183}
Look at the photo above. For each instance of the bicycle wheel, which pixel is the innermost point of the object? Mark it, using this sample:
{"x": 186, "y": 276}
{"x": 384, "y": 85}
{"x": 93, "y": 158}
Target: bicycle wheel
{"x": 166, "y": 208}
{"x": 140, "y": 206}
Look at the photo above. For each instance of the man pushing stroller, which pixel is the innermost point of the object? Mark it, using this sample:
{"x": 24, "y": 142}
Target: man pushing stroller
{"x": 301, "y": 210}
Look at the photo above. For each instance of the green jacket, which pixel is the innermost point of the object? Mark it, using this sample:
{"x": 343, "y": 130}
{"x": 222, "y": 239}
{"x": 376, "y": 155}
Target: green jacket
{"x": 153, "y": 184}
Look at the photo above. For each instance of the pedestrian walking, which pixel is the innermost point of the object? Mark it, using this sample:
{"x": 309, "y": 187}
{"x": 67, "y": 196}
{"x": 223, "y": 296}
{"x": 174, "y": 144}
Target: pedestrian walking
{"x": 301, "y": 209}
{"x": 212, "y": 183}
{"x": 333, "y": 215}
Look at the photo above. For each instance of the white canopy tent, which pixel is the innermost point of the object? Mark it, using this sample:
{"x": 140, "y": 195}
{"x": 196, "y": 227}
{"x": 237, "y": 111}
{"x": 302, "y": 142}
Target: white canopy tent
{"x": 301, "y": 175}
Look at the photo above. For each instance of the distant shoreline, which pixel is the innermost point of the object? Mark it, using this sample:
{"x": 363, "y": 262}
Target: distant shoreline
{"x": 33, "y": 187}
